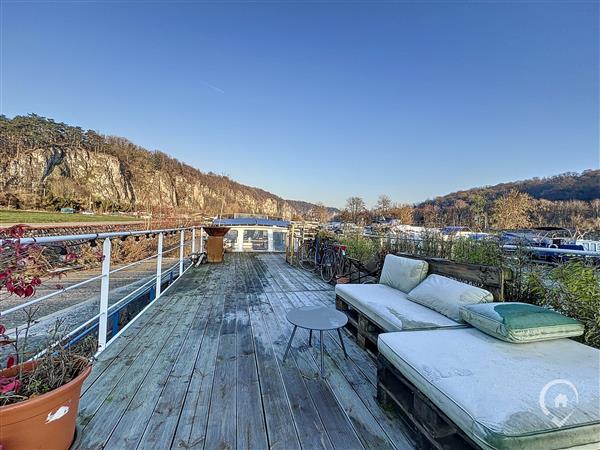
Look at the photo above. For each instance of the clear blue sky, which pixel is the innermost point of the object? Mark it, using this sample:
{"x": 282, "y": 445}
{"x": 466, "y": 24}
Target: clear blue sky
{"x": 320, "y": 101}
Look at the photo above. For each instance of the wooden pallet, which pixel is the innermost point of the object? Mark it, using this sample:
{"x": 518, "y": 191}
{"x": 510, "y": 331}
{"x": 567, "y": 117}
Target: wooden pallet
{"x": 360, "y": 326}
{"x": 431, "y": 427}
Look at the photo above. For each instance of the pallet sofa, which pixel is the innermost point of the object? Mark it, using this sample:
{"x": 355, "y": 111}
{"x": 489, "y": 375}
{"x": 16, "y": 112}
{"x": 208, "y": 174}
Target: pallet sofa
{"x": 472, "y": 378}
{"x": 463, "y": 389}
{"x": 374, "y": 308}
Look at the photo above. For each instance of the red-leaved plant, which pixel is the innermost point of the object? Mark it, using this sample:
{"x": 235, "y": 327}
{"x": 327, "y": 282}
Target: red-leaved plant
{"x": 22, "y": 268}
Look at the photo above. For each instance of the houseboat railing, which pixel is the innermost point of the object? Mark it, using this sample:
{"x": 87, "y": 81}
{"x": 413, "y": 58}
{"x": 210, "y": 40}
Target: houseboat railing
{"x": 557, "y": 251}
{"x": 100, "y": 321}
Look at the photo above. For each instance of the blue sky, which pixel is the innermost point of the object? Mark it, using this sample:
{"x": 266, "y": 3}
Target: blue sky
{"x": 320, "y": 101}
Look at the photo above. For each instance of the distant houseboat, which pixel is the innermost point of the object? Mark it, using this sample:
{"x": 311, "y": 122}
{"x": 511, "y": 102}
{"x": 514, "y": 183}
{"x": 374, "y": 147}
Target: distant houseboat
{"x": 254, "y": 233}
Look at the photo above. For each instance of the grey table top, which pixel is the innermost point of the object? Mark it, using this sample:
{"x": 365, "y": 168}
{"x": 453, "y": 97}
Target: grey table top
{"x": 317, "y": 318}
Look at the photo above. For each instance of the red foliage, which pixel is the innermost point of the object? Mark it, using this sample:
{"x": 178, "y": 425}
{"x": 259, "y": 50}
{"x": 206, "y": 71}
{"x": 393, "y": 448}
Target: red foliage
{"x": 21, "y": 275}
{"x": 11, "y": 361}
{"x": 16, "y": 231}
{"x": 9, "y": 384}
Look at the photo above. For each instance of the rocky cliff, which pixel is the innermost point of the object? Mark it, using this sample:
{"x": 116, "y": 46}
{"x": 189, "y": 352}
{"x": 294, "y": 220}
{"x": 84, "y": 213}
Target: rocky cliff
{"x": 48, "y": 164}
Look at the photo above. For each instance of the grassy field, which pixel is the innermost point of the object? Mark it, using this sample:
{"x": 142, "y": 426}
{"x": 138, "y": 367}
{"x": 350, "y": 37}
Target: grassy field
{"x": 11, "y": 216}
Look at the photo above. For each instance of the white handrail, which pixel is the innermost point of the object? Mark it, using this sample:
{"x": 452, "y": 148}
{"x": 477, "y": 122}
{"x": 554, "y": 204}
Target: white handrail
{"x": 90, "y": 236}
{"x": 560, "y": 251}
{"x": 116, "y": 305}
{"x": 50, "y": 295}
{"x": 104, "y": 308}
{"x": 132, "y": 321}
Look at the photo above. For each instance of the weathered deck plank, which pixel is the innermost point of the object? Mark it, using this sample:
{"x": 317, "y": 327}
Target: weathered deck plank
{"x": 162, "y": 424}
{"x": 278, "y": 413}
{"x": 251, "y": 429}
{"x": 203, "y": 368}
{"x": 191, "y": 428}
{"x": 333, "y": 417}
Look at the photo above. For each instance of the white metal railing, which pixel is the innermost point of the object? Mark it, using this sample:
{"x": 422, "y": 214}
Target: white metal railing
{"x": 589, "y": 252}
{"x": 104, "y": 308}
{"x": 558, "y": 251}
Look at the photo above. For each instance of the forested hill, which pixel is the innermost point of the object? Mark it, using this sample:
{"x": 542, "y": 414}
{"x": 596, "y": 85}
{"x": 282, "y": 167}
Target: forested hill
{"x": 45, "y": 164}
{"x": 563, "y": 187}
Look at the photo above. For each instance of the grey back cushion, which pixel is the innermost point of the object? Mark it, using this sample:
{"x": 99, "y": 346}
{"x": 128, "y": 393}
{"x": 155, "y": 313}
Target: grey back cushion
{"x": 403, "y": 273}
{"x": 446, "y": 295}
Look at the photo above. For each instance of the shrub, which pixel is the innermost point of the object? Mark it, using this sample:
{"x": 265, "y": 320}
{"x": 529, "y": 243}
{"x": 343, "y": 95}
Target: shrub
{"x": 360, "y": 247}
{"x": 484, "y": 251}
{"x": 572, "y": 289}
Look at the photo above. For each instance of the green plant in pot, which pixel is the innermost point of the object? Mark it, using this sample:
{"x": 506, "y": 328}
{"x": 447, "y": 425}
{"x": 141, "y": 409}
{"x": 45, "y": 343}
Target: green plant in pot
{"x": 40, "y": 385}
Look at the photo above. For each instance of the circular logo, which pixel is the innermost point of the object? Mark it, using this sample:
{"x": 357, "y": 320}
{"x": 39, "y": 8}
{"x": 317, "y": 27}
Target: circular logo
{"x": 558, "y": 400}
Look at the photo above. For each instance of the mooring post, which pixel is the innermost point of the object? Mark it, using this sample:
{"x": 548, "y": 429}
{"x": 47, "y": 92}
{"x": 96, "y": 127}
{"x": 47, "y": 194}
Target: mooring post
{"x": 104, "y": 289}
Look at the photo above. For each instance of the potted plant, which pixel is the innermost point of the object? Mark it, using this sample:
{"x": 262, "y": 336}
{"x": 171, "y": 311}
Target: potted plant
{"x": 39, "y": 387}
{"x": 39, "y": 400}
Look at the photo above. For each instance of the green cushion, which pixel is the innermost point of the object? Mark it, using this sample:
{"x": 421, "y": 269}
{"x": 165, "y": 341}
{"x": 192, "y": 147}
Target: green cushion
{"x": 520, "y": 322}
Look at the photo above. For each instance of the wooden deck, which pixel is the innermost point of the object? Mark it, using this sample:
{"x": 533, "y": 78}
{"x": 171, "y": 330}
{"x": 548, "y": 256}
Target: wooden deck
{"x": 202, "y": 368}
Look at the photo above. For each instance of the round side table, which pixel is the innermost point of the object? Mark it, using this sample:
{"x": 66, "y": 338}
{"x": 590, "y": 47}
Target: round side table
{"x": 316, "y": 318}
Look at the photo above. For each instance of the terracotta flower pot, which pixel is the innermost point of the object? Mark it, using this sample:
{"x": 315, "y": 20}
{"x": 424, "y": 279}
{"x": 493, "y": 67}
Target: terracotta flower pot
{"x": 44, "y": 422}
{"x": 343, "y": 280}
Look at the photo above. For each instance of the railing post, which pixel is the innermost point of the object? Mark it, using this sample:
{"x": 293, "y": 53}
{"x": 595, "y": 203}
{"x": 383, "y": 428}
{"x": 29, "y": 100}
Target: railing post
{"x": 159, "y": 264}
{"x": 270, "y": 240}
{"x": 239, "y": 242}
{"x": 193, "y": 240}
{"x": 181, "y": 240}
{"x": 104, "y": 289}
{"x": 201, "y": 240}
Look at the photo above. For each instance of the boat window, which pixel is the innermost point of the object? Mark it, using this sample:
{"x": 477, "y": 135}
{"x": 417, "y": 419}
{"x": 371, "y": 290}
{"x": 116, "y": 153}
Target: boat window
{"x": 255, "y": 240}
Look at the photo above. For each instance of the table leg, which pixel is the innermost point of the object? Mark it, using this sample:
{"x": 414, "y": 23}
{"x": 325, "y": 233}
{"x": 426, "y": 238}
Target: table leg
{"x": 310, "y": 338}
{"x": 342, "y": 342}
{"x": 322, "y": 349}
{"x": 289, "y": 343}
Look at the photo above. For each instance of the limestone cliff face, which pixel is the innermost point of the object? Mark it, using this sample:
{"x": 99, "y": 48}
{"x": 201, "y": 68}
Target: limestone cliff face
{"x": 46, "y": 163}
{"x": 98, "y": 177}
{"x": 35, "y": 170}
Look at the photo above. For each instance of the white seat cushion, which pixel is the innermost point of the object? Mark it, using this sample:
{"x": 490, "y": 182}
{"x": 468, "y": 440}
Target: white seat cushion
{"x": 403, "y": 273}
{"x": 446, "y": 295}
{"x": 493, "y": 390}
{"x": 390, "y": 309}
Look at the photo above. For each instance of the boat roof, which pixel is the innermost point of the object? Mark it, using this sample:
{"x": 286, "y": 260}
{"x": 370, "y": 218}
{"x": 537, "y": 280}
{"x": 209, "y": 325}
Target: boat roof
{"x": 250, "y": 221}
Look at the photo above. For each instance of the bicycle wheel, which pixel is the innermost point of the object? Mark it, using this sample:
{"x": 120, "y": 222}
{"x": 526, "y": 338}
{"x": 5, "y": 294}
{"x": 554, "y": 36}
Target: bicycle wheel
{"x": 308, "y": 261}
{"x": 340, "y": 265}
{"x": 328, "y": 265}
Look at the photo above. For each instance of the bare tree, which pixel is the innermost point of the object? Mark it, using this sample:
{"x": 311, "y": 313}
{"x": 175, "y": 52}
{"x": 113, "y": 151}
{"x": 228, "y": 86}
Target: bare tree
{"x": 513, "y": 210}
{"x": 479, "y": 218}
{"x": 355, "y": 206}
{"x": 431, "y": 215}
{"x": 460, "y": 208}
{"x": 320, "y": 213}
{"x": 595, "y": 204}
{"x": 383, "y": 205}
{"x": 404, "y": 213}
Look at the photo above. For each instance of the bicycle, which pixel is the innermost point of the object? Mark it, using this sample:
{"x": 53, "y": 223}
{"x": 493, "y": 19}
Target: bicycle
{"x": 333, "y": 262}
{"x": 310, "y": 254}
